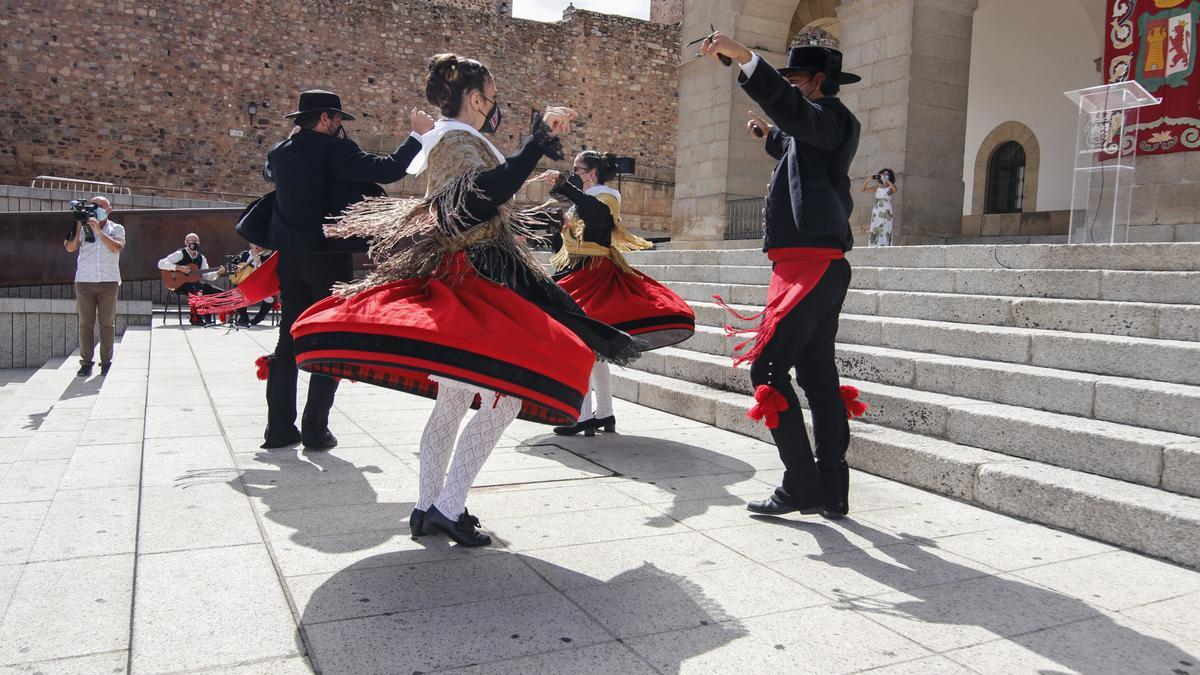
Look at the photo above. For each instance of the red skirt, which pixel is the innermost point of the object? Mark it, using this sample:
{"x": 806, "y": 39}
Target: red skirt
{"x": 634, "y": 303}
{"x": 462, "y": 327}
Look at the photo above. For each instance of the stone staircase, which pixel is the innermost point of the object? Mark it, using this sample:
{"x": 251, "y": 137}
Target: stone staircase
{"x": 1055, "y": 383}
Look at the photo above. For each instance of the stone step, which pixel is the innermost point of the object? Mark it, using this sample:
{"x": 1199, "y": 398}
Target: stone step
{"x": 1137, "y": 402}
{"x": 1171, "y": 361}
{"x": 1108, "y": 285}
{"x": 1141, "y": 518}
{"x": 1162, "y": 257}
{"x": 1130, "y": 319}
{"x": 1144, "y": 456}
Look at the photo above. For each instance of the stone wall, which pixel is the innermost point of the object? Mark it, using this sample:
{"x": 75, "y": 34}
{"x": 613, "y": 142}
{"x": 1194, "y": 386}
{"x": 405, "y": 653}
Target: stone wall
{"x": 33, "y": 331}
{"x": 156, "y": 94}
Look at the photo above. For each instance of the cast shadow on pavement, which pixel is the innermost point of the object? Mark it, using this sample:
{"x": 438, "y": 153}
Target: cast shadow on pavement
{"x": 403, "y": 612}
{"x": 661, "y": 463}
{"x": 1062, "y": 629}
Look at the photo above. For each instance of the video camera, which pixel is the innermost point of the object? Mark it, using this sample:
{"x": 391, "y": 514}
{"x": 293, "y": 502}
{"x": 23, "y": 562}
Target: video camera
{"x": 82, "y": 210}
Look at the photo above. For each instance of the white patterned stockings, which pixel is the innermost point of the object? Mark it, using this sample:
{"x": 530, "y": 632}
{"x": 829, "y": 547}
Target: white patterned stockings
{"x": 448, "y": 491}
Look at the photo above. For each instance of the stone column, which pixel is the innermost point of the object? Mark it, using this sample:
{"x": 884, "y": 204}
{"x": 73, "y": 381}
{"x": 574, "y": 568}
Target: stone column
{"x": 915, "y": 57}
{"x": 715, "y": 160}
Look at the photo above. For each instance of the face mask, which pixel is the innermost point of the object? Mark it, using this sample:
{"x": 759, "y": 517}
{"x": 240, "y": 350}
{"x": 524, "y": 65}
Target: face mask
{"x": 492, "y": 121}
{"x": 341, "y": 132}
{"x": 101, "y": 214}
{"x": 193, "y": 246}
{"x": 575, "y": 180}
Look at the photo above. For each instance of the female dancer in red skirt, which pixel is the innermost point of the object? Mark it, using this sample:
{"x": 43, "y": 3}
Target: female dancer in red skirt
{"x": 592, "y": 268}
{"x": 457, "y": 308}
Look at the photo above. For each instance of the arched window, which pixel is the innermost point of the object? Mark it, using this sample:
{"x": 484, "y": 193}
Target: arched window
{"x": 1006, "y": 179}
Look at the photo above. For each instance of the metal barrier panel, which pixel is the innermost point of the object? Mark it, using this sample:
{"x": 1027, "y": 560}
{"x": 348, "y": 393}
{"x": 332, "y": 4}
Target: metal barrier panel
{"x": 744, "y": 218}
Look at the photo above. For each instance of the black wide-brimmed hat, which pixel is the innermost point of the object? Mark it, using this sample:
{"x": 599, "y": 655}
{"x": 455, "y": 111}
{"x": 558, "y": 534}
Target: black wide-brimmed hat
{"x": 319, "y": 100}
{"x": 820, "y": 59}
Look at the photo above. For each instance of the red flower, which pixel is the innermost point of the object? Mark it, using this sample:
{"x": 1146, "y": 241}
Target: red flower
{"x": 768, "y": 403}
{"x": 263, "y": 366}
{"x": 854, "y": 407}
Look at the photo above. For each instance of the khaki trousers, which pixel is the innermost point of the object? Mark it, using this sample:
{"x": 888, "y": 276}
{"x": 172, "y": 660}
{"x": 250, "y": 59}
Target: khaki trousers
{"x": 96, "y": 300}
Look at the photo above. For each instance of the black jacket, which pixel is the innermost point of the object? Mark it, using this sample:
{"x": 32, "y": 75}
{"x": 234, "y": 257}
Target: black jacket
{"x": 317, "y": 175}
{"x": 808, "y": 201}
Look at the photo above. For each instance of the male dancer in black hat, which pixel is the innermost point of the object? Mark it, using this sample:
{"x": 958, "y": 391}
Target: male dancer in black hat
{"x": 317, "y": 172}
{"x": 806, "y": 227}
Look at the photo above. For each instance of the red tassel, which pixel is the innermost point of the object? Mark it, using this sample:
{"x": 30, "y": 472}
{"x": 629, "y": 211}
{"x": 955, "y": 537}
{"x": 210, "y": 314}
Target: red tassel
{"x": 854, "y": 407}
{"x": 768, "y": 403}
{"x": 262, "y": 366}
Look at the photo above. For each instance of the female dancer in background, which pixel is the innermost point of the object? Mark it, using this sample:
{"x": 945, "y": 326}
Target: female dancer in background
{"x": 592, "y": 268}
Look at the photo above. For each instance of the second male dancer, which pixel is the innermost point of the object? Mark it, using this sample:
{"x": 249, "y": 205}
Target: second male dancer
{"x": 806, "y": 226}
{"x": 317, "y": 172}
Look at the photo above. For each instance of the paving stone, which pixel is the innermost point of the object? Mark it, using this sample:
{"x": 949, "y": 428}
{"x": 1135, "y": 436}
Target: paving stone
{"x": 973, "y": 611}
{"x": 91, "y": 522}
{"x": 296, "y": 665}
{"x": 539, "y": 623}
{"x": 48, "y": 445}
{"x": 780, "y": 642}
{"x": 9, "y": 574}
{"x": 96, "y": 466}
{"x": 1021, "y": 546}
{"x": 106, "y": 432}
{"x": 94, "y": 592}
{"x": 1092, "y": 579}
{"x": 929, "y": 521}
{"x": 1103, "y": 643}
{"x": 610, "y": 657}
{"x": 107, "y": 662}
{"x": 898, "y": 565}
{"x": 1179, "y": 615}
{"x": 667, "y": 602}
{"x": 197, "y": 420}
{"x": 205, "y": 515}
{"x": 171, "y": 461}
{"x": 401, "y": 585}
{"x": 209, "y": 607}
{"x": 564, "y": 529}
{"x": 309, "y": 554}
{"x": 32, "y": 481}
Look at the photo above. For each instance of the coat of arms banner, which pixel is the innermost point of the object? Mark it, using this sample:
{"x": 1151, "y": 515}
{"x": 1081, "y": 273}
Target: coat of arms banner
{"x": 1154, "y": 42}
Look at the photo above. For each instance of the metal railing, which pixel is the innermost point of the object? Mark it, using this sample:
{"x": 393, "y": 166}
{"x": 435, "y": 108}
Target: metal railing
{"x": 744, "y": 218}
{"x": 78, "y": 185}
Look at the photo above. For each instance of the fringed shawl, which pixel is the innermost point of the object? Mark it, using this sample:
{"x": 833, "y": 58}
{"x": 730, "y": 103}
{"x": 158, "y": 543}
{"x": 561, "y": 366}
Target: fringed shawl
{"x": 412, "y": 237}
{"x": 575, "y": 250}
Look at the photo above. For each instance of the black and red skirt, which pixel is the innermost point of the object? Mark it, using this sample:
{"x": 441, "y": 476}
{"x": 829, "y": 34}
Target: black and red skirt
{"x": 631, "y": 302}
{"x": 458, "y": 326}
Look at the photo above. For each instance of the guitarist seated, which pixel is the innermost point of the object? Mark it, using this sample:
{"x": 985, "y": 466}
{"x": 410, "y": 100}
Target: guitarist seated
{"x": 189, "y": 261}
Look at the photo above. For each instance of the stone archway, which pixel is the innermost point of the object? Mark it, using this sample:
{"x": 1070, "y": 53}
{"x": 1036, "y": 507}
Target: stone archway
{"x": 1003, "y": 133}
{"x": 914, "y": 57}
{"x": 816, "y": 14}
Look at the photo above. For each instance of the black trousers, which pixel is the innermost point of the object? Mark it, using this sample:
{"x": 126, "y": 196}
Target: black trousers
{"x": 304, "y": 278}
{"x": 804, "y": 340}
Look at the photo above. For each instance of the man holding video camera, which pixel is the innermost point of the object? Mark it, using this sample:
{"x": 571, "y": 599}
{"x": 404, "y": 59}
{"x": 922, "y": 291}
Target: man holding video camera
{"x": 97, "y": 278}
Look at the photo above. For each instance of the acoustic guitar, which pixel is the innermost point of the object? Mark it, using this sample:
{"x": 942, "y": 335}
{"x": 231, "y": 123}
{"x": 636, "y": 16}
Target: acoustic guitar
{"x": 173, "y": 279}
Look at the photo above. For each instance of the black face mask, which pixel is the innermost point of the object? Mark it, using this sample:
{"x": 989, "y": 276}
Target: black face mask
{"x": 341, "y": 132}
{"x": 492, "y": 121}
{"x": 575, "y": 180}
{"x": 193, "y": 247}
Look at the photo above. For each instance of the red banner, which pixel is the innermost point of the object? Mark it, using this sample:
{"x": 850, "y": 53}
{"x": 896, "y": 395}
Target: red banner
{"x": 1154, "y": 42}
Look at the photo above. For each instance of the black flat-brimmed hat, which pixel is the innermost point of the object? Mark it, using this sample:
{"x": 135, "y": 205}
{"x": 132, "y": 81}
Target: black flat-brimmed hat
{"x": 819, "y": 59}
{"x": 319, "y": 100}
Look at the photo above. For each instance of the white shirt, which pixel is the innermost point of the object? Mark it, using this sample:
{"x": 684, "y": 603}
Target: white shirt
{"x": 96, "y": 262}
{"x": 174, "y": 258}
{"x": 440, "y": 128}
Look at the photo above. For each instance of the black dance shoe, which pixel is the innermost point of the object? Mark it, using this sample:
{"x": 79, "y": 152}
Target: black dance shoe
{"x": 588, "y": 427}
{"x": 606, "y": 424}
{"x": 835, "y": 492}
{"x": 325, "y": 441}
{"x": 416, "y": 523}
{"x": 777, "y": 505}
{"x": 462, "y": 531}
{"x": 284, "y": 439}
{"x": 84, "y": 370}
